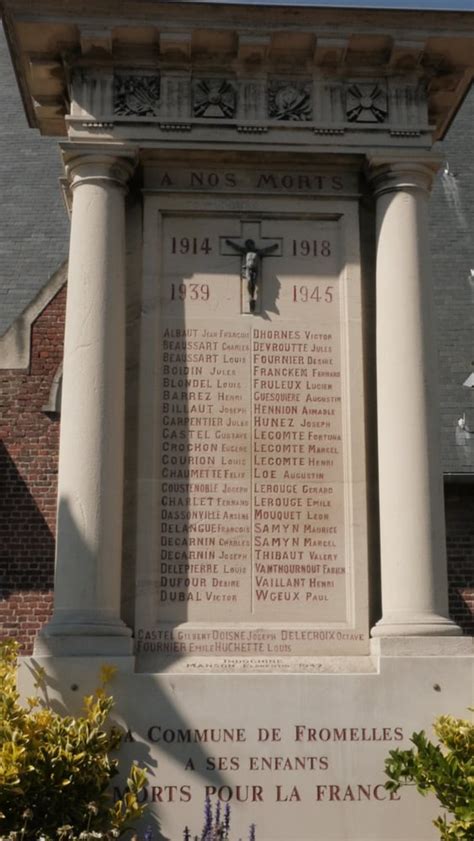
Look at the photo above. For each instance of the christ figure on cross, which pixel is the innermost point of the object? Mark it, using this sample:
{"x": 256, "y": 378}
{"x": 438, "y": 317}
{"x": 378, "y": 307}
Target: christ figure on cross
{"x": 251, "y": 265}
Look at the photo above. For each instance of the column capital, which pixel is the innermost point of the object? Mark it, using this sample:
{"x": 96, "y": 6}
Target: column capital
{"x": 388, "y": 175}
{"x": 111, "y": 167}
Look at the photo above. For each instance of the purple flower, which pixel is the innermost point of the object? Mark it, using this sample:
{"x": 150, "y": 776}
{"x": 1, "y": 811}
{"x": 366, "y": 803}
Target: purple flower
{"x": 227, "y": 817}
{"x": 218, "y": 814}
{"x": 207, "y": 829}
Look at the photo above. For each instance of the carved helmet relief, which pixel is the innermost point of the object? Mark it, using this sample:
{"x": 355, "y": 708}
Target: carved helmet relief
{"x": 214, "y": 98}
{"x": 136, "y": 96}
{"x": 289, "y": 101}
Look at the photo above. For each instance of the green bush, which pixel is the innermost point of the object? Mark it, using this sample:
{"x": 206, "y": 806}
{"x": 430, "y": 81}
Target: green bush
{"x": 445, "y": 769}
{"x": 55, "y": 770}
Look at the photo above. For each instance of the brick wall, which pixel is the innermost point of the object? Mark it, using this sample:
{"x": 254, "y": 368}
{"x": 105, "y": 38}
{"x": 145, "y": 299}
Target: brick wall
{"x": 460, "y": 540}
{"x": 452, "y": 251}
{"x": 28, "y": 481}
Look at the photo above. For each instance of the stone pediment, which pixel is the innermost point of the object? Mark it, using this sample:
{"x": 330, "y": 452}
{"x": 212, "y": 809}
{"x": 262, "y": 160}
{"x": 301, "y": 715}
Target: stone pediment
{"x": 227, "y": 74}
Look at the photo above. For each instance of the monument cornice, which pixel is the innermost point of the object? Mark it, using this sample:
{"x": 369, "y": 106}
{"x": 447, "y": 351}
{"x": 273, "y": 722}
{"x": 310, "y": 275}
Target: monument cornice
{"x": 309, "y": 73}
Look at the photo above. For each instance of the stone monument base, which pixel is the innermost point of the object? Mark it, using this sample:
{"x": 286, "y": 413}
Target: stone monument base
{"x": 295, "y": 747}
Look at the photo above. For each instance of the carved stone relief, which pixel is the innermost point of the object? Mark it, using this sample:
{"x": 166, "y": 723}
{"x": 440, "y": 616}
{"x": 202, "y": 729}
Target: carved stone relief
{"x": 289, "y": 101}
{"x": 173, "y": 101}
{"x": 366, "y": 103}
{"x": 136, "y": 96}
{"x": 214, "y": 98}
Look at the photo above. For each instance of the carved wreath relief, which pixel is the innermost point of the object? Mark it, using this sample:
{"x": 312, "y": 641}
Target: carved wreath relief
{"x": 214, "y": 98}
{"x": 289, "y": 101}
{"x": 366, "y": 103}
{"x": 136, "y": 96}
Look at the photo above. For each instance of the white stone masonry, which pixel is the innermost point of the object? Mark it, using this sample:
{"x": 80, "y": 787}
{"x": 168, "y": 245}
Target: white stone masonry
{"x": 412, "y": 534}
{"x": 90, "y": 484}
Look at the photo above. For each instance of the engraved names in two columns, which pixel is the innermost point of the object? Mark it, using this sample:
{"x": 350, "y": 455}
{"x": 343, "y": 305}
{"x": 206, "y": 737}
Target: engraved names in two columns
{"x": 250, "y": 453}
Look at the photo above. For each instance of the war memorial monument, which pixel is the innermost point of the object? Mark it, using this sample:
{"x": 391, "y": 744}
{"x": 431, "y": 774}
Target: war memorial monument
{"x": 250, "y": 512}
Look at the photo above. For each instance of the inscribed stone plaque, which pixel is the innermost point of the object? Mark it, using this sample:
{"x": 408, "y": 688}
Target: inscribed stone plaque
{"x": 299, "y": 755}
{"x": 258, "y": 499}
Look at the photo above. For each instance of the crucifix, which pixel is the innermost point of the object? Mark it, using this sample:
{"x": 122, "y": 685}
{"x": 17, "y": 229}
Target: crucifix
{"x": 250, "y": 267}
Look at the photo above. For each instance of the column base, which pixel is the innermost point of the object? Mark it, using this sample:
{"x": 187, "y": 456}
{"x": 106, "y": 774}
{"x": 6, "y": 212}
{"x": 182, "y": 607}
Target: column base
{"x": 83, "y": 634}
{"x": 416, "y": 625}
{"x": 431, "y": 647}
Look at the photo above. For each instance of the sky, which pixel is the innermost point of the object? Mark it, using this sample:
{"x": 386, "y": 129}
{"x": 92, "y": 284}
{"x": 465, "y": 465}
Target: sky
{"x": 417, "y": 5}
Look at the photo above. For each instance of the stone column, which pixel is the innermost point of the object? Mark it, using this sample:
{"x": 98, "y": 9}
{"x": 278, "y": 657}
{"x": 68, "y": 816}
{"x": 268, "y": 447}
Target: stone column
{"x": 86, "y": 618}
{"x": 412, "y": 532}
